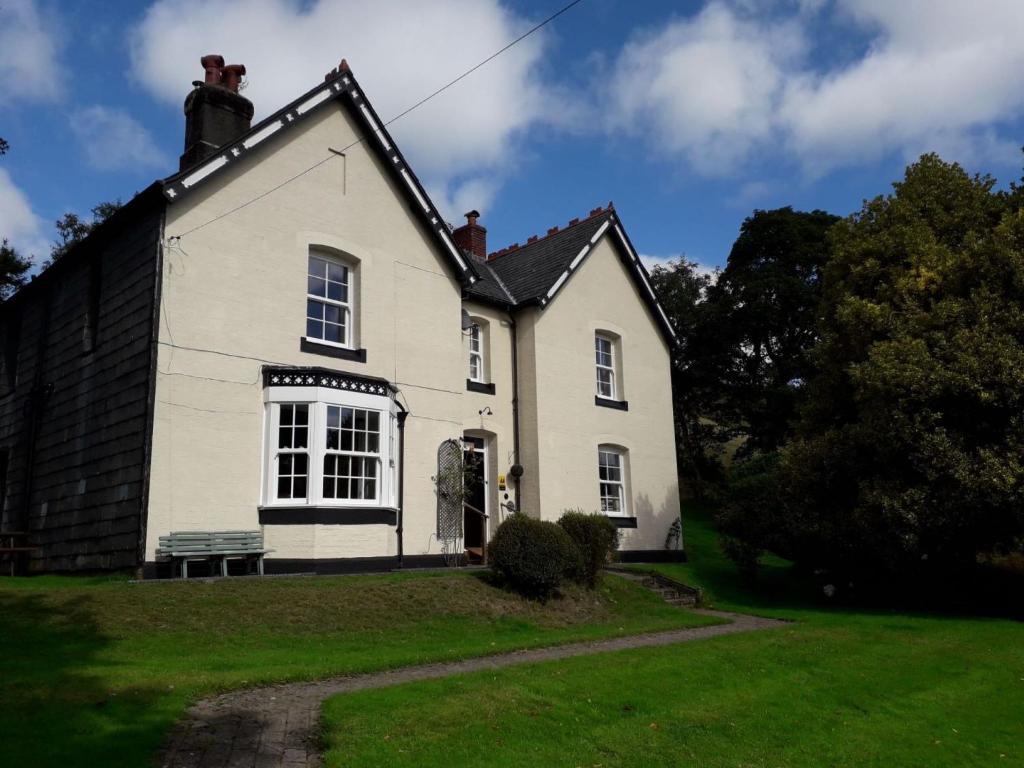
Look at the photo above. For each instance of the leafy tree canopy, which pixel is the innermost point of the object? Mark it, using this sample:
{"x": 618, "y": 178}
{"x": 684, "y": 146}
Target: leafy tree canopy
{"x": 765, "y": 322}
{"x": 911, "y": 447}
{"x": 682, "y": 288}
{"x": 72, "y": 228}
{"x": 13, "y": 269}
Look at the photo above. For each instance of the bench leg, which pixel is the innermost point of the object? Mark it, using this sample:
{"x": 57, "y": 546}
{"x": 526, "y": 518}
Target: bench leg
{"x": 223, "y": 566}
{"x": 259, "y": 565}
{"x": 184, "y": 567}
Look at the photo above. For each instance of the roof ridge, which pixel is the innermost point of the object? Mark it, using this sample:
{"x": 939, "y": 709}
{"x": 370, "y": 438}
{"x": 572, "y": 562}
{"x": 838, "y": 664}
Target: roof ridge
{"x": 552, "y": 231}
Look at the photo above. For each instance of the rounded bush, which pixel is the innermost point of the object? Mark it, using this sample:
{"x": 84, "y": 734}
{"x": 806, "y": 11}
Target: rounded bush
{"x": 596, "y": 537}
{"x": 534, "y": 557}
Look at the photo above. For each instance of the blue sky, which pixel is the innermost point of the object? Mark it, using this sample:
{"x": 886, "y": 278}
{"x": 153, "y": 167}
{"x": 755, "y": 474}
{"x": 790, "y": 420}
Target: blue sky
{"x": 688, "y": 115}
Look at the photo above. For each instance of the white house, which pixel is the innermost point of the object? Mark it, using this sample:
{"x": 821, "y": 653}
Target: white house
{"x": 310, "y": 337}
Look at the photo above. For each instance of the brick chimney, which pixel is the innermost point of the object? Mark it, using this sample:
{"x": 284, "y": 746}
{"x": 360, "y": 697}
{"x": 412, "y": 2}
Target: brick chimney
{"x": 472, "y": 237}
{"x": 215, "y": 112}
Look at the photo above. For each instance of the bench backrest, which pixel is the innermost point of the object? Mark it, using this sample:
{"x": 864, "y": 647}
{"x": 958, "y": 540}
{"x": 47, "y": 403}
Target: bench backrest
{"x": 212, "y": 542}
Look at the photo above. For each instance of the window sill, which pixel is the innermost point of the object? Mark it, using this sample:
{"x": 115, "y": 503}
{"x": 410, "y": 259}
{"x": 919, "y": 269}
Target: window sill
{"x": 622, "y": 521}
{"x": 606, "y": 402}
{"x": 329, "y": 350}
{"x": 479, "y": 386}
{"x": 321, "y": 515}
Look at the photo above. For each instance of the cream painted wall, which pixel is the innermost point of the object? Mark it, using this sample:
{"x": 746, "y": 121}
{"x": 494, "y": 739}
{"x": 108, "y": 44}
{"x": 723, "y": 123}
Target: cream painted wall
{"x": 214, "y": 337}
{"x": 496, "y": 427}
{"x": 601, "y": 295}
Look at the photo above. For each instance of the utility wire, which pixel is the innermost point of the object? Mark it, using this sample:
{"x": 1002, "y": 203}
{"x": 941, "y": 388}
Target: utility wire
{"x": 340, "y": 153}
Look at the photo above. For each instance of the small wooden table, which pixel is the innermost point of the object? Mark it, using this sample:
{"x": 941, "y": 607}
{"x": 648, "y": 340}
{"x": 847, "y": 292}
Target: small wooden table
{"x": 9, "y": 546}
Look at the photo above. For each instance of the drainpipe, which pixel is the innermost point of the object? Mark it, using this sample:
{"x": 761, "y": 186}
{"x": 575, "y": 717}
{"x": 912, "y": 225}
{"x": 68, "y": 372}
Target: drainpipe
{"x": 401, "y": 480}
{"x": 515, "y": 401}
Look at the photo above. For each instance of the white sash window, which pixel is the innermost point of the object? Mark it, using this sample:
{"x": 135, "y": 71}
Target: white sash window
{"x": 611, "y": 471}
{"x": 328, "y": 447}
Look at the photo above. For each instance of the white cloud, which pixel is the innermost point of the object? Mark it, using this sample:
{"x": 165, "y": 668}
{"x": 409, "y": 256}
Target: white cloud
{"x": 18, "y": 222}
{"x": 399, "y": 55}
{"x": 727, "y": 85}
{"x": 113, "y": 140}
{"x": 937, "y": 71}
{"x": 29, "y": 51}
{"x": 708, "y": 86}
{"x": 751, "y": 193}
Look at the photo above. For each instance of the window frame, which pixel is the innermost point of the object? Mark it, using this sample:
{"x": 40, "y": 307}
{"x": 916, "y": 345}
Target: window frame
{"x": 348, "y": 308}
{"x": 610, "y": 367}
{"x": 319, "y": 400}
{"x": 479, "y": 353}
{"x": 622, "y": 483}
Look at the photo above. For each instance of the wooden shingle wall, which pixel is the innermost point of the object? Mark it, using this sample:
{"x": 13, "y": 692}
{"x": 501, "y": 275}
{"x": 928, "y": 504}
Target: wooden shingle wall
{"x": 75, "y": 423}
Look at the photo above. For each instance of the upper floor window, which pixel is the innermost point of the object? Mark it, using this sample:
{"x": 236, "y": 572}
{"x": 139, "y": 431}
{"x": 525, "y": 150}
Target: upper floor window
{"x": 476, "y": 353}
{"x": 611, "y": 471}
{"x": 330, "y": 300}
{"x": 604, "y": 347}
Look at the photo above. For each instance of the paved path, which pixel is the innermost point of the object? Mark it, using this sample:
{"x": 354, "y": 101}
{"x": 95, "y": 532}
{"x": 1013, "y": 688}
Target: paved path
{"x": 278, "y": 726}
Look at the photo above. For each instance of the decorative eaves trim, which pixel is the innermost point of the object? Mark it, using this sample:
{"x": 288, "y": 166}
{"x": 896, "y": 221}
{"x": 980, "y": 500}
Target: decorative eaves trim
{"x": 345, "y": 89}
{"x": 322, "y": 377}
{"x": 634, "y": 262}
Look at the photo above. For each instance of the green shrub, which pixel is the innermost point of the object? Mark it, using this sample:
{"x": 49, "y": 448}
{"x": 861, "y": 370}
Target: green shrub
{"x": 596, "y": 537}
{"x": 534, "y": 557}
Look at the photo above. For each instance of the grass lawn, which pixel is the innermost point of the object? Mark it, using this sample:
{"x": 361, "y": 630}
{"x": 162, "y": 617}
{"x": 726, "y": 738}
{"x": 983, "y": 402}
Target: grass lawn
{"x": 94, "y": 671}
{"x": 839, "y": 687}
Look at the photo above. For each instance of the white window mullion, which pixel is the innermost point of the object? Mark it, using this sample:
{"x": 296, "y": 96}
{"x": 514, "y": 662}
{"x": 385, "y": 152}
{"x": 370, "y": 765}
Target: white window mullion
{"x": 317, "y": 470}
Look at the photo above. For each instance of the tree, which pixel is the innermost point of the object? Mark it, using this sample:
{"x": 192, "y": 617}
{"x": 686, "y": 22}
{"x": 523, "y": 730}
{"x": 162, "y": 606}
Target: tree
{"x": 13, "y": 267}
{"x": 910, "y": 453}
{"x": 682, "y": 288}
{"x": 765, "y": 306}
{"x": 72, "y": 228}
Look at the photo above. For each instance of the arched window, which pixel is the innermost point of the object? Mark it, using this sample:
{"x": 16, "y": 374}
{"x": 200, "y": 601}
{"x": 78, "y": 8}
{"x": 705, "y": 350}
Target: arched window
{"x": 612, "y": 472}
{"x": 606, "y": 359}
{"x": 477, "y": 372}
{"x": 331, "y": 301}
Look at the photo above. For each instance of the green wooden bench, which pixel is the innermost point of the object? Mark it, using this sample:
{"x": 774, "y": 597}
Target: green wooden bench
{"x": 217, "y": 546}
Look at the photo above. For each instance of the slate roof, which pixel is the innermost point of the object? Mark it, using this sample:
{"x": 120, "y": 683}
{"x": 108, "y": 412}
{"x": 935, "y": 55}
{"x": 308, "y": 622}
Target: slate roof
{"x": 529, "y": 271}
{"x": 532, "y": 274}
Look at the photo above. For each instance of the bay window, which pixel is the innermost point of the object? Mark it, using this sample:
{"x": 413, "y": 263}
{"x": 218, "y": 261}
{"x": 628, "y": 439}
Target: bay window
{"x": 329, "y": 446}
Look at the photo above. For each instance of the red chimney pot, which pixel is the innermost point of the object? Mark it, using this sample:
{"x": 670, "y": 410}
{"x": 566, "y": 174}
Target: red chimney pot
{"x": 213, "y": 64}
{"x": 231, "y": 76}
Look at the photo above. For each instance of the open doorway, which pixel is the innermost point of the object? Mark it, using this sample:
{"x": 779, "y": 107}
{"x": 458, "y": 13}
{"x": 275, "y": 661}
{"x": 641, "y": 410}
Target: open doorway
{"x": 474, "y": 522}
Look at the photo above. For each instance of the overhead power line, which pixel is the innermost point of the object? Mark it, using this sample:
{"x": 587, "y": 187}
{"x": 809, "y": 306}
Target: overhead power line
{"x": 340, "y": 152}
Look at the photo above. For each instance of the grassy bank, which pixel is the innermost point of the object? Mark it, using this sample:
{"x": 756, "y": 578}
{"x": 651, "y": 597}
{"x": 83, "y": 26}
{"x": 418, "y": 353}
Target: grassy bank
{"x": 839, "y": 687}
{"x": 96, "y": 670}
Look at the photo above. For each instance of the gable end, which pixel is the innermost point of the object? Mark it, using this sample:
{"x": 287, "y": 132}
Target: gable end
{"x": 345, "y": 89}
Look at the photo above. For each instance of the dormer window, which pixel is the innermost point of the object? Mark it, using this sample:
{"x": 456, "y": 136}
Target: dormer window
{"x": 330, "y": 300}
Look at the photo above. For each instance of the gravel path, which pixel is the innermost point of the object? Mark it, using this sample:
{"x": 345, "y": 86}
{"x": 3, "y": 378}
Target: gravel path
{"x": 279, "y": 725}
